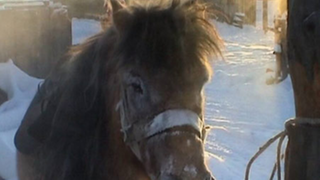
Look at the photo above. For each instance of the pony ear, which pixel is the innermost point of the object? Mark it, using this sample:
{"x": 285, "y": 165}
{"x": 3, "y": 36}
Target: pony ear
{"x": 117, "y": 5}
{"x": 120, "y": 19}
{"x": 113, "y": 6}
{"x": 118, "y": 10}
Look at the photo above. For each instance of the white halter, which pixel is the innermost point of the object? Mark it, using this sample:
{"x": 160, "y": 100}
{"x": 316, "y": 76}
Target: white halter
{"x": 136, "y": 131}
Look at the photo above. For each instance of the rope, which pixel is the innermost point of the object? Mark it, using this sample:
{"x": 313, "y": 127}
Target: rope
{"x": 279, "y": 155}
{"x": 275, "y": 168}
{"x": 298, "y": 121}
{"x": 280, "y": 135}
{"x": 273, "y": 171}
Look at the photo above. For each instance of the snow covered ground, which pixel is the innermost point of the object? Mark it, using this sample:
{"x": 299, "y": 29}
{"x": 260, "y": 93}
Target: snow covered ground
{"x": 20, "y": 89}
{"x": 242, "y": 110}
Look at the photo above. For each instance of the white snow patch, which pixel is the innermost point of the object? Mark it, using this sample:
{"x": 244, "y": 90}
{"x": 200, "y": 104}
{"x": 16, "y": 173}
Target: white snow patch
{"x": 20, "y": 89}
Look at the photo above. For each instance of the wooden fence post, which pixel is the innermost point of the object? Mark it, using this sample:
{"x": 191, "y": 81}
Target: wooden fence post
{"x": 250, "y": 11}
{"x": 265, "y": 15}
{"x": 303, "y": 150}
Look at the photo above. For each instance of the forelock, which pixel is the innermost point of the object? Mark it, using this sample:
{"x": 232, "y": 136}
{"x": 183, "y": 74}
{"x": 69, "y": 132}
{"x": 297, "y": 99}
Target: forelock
{"x": 161, "y": 30}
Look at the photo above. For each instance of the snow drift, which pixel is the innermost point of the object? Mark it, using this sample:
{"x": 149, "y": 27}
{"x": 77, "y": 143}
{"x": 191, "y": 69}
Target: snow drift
{"x": 20, "y": 89}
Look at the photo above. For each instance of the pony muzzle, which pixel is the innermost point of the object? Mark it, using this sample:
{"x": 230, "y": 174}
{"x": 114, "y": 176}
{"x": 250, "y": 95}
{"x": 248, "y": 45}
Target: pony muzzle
{"x": 169, "y": 137}
{"x": 169, "y": 119}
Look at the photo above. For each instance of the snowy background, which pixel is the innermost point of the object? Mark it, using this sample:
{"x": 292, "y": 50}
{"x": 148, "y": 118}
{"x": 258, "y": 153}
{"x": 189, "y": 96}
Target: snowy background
{"x": 242, "y": 110}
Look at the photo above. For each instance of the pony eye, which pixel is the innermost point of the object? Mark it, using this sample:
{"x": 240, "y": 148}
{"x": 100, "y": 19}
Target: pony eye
{"x": 134, "y": 83}
{"x": 137, "y": 88}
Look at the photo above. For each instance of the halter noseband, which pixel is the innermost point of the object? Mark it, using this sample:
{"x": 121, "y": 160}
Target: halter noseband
{"x": 136, "y": 131}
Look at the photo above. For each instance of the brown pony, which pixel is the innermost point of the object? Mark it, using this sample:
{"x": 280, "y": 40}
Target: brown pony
{"x": 128, "y": 105}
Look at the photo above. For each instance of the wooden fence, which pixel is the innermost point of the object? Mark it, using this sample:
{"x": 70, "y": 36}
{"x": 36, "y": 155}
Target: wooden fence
{"x": 33, "y": 38}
